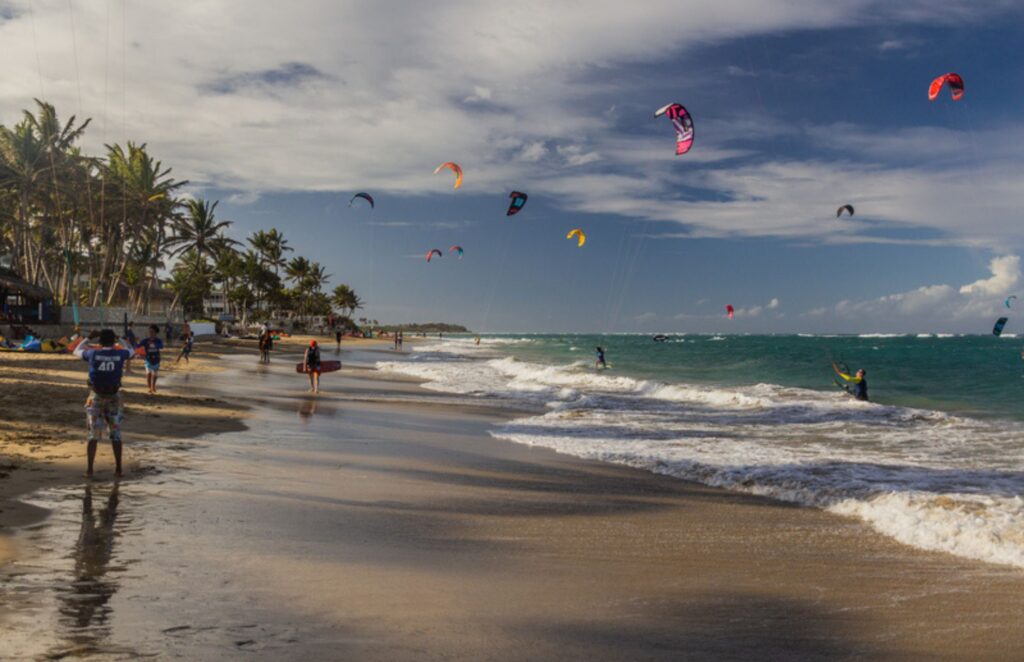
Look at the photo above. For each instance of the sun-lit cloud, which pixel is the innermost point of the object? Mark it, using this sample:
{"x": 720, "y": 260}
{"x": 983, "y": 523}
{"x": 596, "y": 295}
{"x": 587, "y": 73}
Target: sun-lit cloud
{"x": 931, "y": 307}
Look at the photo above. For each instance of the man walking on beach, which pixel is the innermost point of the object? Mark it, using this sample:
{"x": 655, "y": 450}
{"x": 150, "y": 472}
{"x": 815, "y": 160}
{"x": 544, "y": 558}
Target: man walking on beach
{"x": 103, "y": 406}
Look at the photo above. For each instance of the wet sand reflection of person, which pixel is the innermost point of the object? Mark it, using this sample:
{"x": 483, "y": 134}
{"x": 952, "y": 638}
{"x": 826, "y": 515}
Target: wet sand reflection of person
{"x": 84, "y": 604}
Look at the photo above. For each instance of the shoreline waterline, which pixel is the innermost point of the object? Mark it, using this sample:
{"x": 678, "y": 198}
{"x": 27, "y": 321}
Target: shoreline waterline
{"x": 930, "y": 479}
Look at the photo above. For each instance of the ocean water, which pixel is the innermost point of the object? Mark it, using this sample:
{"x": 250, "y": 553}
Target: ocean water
{"x": 936, "y": 460}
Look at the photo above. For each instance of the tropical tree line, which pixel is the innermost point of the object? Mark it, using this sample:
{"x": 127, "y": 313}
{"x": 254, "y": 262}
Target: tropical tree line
{"x": 96, "y": 230}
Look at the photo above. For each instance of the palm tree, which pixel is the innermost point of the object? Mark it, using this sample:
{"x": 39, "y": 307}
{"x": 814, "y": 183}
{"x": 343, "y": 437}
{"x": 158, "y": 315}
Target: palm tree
{"x": 345, "y": 298}
{"x": 199, "y": 233}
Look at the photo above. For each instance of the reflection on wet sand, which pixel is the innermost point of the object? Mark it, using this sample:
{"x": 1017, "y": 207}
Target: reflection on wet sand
{"x": 85, "y": 609}
{"x": 307, "y": 409}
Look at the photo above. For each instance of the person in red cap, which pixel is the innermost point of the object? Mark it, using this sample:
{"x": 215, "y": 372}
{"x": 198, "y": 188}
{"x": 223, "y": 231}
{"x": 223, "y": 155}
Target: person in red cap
{"x": 312, "y": 361}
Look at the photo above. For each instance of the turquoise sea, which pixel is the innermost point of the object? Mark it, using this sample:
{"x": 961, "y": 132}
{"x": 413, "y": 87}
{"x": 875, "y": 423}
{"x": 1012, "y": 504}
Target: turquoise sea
{"x": 936, "y": 460}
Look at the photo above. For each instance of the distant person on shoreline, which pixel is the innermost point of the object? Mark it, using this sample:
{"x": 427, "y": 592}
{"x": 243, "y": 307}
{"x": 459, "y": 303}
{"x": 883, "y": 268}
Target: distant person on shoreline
{"x": 266, "y": 344}
{"x": 186, "y": 346}
{"x": 397, "y": 341}
{"x": 860, "y": 383}
{"x": 600, "y": 363}
{"x": 152, "y": 345}
{"x": 103, "y": 407}
{"x": 312, "y": 361}
{"x": 168, "y": 334}
{"x": 337, "y": 339}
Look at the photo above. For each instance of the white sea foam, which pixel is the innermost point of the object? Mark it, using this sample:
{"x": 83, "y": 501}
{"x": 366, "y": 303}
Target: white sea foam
{"x": 926, "y": 478}
{"x": 881, "y": 335}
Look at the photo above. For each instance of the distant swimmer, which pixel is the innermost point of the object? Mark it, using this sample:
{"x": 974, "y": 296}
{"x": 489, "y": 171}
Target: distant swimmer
{"x": 312, "y": 361}
{"x": 600, "y": 363}
{"x": 476, "y": 341}
{"x": 859, "y": 381}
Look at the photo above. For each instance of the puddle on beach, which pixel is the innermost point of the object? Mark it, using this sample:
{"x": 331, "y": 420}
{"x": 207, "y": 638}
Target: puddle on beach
{"x": 155, "y": 565}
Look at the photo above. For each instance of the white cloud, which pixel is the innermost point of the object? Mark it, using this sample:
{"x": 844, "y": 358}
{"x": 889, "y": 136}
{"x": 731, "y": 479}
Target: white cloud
{"x": 1005, "y": 274}
{"x": 933, "y": 307}
{"x": 344, "y": 96}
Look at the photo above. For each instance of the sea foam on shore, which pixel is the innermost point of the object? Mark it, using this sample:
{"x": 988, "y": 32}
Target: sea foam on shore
{"x": 929, "y": 479}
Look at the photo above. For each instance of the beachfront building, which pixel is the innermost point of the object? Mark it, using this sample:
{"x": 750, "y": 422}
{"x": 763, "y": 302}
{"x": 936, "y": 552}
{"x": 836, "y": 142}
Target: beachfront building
{"x": 215, "y": 305}
{"x": 21, "y": 302}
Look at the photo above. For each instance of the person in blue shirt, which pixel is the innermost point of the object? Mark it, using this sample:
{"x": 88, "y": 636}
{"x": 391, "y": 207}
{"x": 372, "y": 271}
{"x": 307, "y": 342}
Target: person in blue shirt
{"x": 152, "y": 345}
{"x": 600, "y": 363}
{"x": 103, "y": 406}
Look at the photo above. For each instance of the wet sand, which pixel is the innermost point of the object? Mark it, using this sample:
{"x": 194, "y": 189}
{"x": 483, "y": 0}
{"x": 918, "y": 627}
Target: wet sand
{"x": 381, "y": 521}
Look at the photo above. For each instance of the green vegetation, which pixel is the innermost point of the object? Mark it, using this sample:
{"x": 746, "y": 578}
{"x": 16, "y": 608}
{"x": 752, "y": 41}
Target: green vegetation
{"x": 100, "y": 230}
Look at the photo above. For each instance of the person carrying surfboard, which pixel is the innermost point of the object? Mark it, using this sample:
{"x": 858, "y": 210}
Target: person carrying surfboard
{"x": 103, "y": 407}
{"x": 312, "y": 361}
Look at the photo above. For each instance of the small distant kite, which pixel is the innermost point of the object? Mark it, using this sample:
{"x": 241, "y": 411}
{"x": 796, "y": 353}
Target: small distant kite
{"x": 364, "y": 196}
{"x": 457, "y": 249}
{"x": 518, "y": 200}
{"x": 956, "y": 86}
{"x": 580, "y": 237}
{"x": 683, "y": 124}
{"x": 454, "y": 167}
{"x": 997, "y": 330}
{"x": 847, "y": 208}
{"x": 729, "y": 310}
{"x": 1007, "y": 302}
{"x": 432, "y": 252}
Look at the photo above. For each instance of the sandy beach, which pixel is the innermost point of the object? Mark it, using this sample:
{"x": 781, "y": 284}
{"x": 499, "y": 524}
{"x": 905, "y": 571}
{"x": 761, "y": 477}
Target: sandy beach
{"x": 382, "y": 521}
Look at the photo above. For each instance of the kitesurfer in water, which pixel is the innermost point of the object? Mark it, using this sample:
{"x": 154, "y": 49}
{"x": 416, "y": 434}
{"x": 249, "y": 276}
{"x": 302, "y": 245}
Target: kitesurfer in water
{"x": 859, "y": 381}
{"x": 600, "y": 363}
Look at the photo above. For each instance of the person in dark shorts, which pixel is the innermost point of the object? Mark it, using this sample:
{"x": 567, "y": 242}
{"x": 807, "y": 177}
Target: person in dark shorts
{"x": 186, "y": 346}
{"x": 103, "y": 407}
{"x": 337, "y": 339}
{"x": 312, "y": 361}
{"x": 152, "y": 345}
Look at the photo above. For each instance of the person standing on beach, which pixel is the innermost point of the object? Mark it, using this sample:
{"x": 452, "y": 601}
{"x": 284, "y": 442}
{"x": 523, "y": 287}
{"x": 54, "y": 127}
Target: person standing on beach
{"x": 600, "y": 363}
{"x": 396, "y": 340}
{"x": 103, "y": 407}
{"x": 337, "y": 339}
{"x": 312, "y": 361}
{"x": 168, "y": 333}
{"x": 265, "y": 342}
{"x": 152, "y": 345}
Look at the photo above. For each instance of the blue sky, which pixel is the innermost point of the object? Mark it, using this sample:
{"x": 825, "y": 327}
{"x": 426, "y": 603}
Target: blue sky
{"x": 282, "y": 112}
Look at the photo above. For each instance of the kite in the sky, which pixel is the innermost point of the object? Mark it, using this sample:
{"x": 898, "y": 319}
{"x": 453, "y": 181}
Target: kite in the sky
{"x": 956, "y": 86}
{"x": 683, "y": 124}
{"x": 847, "y": 208}
{"x": 578, "y": 233}
{"x": 997, "y": 330}
{"x": 518, "y": 200}
{"x": 454, "y": 167}
{"x": 1007, "y": 302}
{"x": 364, "y": 196}
{"x": 455, "y": 249}
{"x": 729, "y": 310}
{"x": 432, "y": 252}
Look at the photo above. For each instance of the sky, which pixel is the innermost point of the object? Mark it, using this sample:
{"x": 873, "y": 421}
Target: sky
{"x": 282, "y": 111}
